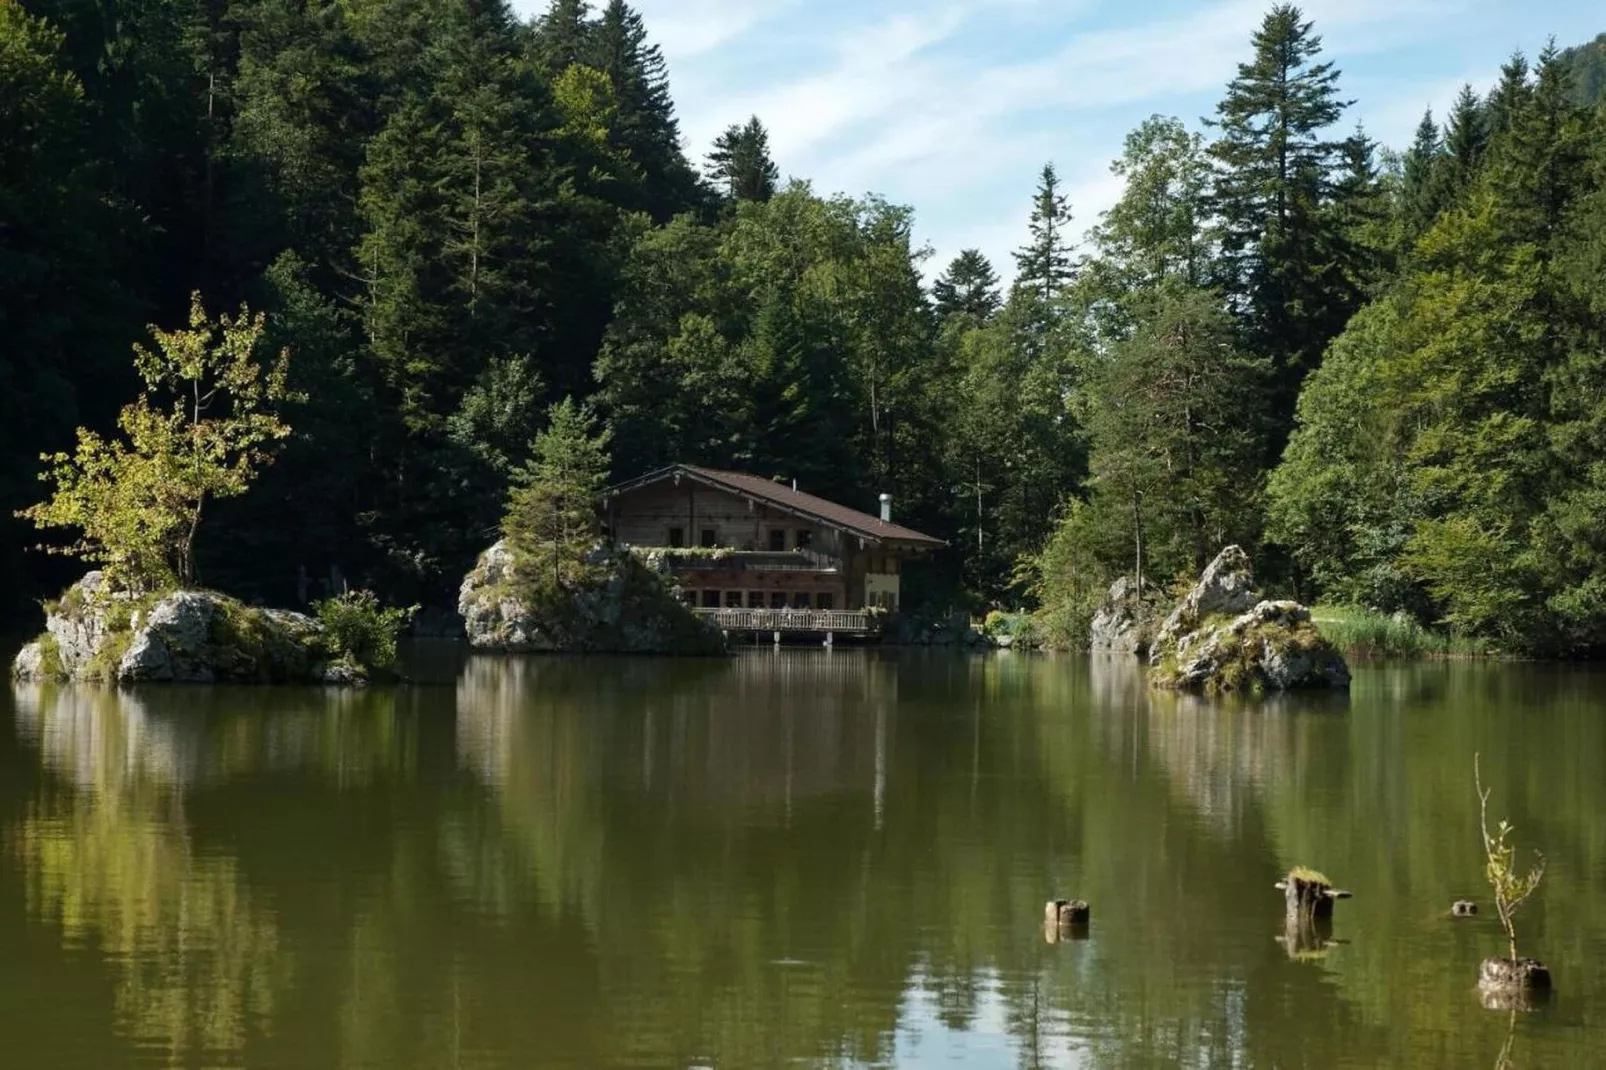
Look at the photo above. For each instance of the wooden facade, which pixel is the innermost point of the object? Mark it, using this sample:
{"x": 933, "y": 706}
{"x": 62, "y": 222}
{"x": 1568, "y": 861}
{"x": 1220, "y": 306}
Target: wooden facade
{"x": 737, "y": 542}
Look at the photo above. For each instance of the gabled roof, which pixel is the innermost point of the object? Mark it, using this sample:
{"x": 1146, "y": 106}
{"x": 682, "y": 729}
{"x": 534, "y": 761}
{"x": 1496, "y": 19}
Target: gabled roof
{"x": 784, "y": 498}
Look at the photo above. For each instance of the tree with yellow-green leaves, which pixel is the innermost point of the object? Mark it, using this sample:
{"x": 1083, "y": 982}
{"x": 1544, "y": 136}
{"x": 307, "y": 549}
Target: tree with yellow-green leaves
{"x": 202, "y": 429}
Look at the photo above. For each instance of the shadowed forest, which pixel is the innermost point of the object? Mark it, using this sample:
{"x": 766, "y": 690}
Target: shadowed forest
{"x": 1382, "y": 371}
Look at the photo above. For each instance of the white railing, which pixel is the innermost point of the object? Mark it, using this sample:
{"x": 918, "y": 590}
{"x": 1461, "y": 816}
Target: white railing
{"x": 789, "y": 620}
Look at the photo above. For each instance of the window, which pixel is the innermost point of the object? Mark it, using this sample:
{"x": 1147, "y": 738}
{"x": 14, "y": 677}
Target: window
{"x": 690, "y": 598}
{"x": 710, "y": 599}
{"x": 777, "y": 539}
{"x": 777, "y": 599}
{"x": 800, "y": 600}
{"x": 677, "y": 537}
{"x": 826, "y": 600}
{"x": 710, "y": 539}
{"x": 733, "y": 599}
{"x": 755, "y": 599}
{"x": 805, "y": 538}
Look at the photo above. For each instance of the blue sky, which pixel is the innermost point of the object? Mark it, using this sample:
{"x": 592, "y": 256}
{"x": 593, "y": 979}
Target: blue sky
{"x": 952, "y": 106}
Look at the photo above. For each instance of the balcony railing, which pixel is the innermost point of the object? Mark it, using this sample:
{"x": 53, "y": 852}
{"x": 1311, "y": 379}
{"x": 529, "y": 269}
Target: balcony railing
{"x": 679, "y": 559}
{"x": 840, "y": 621}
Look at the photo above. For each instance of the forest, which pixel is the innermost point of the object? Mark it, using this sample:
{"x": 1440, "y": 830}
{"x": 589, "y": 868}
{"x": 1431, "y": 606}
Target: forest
{"x": 1382, "y": 372}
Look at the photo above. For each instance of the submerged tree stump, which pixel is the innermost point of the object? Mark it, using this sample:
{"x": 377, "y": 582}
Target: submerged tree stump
{"x": 1065, "y": 919}
{"x": 1308, "y": 894}
{"x": 1067, "y": 912}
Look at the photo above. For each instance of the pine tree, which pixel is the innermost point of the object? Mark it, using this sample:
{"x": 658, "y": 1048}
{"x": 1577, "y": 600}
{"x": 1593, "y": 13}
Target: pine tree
{"x": 1466, "y": 135}
{"x": 740, "y": 162}
{"x": 1509, "y": 94}
{"x": 552, "y": 516}
{"x": 563, "y": 36}
{"x": 1043, "y": 266}
{"x": 1285, "y": 257}
{"x": 1421, "y": 192}
{"x": 969, "y": 287}
{"x": 646, "y": 127}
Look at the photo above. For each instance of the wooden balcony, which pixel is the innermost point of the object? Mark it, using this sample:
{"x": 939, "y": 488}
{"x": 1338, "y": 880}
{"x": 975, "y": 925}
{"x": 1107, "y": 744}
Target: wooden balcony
{"x": 792, "y": 621}
{"x": 678, "y": 559}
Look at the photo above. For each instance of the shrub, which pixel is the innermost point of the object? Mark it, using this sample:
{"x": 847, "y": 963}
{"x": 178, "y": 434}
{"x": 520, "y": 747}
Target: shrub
{"x": 1365, "y": 633}
{"x": 361, "y": 632}
{"x": 1511, "y": 888}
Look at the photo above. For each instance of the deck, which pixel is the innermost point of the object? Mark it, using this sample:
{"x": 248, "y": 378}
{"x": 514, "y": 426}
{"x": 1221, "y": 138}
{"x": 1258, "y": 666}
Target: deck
{"x": 792, "y": 621}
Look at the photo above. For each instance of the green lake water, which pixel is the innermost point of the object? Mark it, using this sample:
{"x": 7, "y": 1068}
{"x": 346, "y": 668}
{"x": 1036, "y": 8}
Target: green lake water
{"x": 803, "y": 858}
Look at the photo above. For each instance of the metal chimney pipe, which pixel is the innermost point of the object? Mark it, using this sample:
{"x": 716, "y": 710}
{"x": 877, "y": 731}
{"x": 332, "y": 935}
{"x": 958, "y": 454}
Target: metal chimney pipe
{"x": 886, "y": 508}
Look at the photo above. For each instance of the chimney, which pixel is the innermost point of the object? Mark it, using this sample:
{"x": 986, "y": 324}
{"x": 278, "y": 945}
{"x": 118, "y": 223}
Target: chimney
{"x": 886, "y": 508}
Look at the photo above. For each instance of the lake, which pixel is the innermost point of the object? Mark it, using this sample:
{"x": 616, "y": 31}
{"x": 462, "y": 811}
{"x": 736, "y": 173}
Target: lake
{"x": 796, "y": 858}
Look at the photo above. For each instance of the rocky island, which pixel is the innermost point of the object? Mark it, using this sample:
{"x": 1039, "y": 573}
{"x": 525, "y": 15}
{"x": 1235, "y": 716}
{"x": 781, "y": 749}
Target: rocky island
{"x": 1223, "y": 636}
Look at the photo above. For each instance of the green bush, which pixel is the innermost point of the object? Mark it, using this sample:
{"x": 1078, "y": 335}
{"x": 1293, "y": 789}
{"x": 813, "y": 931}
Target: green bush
{"x": 361, "y": 632}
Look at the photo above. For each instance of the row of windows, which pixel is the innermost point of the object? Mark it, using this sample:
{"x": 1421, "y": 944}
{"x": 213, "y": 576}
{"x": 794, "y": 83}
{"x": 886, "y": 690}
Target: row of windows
{"x": 710, "y": 599}
{"x": 708, "y": 538}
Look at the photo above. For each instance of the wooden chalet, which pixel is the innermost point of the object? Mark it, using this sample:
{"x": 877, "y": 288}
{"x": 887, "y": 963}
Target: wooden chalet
{"x": 762, "y": 556}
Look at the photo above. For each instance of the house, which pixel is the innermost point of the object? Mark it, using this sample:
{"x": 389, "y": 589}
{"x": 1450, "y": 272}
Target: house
{"x": 741, "y": 542}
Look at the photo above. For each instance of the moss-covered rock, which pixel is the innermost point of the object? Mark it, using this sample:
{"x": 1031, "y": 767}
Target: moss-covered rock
{"x": 99, "y": 634}
{"x": 1209, "y": 643}
{"x": 624, "y": 607}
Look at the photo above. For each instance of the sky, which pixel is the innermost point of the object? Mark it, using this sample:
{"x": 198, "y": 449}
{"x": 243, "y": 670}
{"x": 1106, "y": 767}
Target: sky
{"x": 953, "y": 106}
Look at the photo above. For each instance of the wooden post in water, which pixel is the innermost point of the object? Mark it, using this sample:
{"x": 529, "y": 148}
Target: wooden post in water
{"x": 1066, "y": 919}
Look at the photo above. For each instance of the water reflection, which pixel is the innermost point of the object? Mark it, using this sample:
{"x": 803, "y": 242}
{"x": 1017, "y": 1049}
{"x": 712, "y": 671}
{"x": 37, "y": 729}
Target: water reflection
{"x": 111, "y": 866}
{"x": 833, "y": 858}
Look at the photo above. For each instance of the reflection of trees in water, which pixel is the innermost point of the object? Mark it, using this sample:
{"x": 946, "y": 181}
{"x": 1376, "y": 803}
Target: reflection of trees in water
{"x": 803, "y": 856}
{"x": 103, "y": 739}
{"x": 109, "y": 865}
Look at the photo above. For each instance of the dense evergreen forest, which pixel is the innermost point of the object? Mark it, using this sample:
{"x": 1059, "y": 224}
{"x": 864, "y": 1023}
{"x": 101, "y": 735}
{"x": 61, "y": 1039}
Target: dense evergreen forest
{"x": 1383, "y": 372}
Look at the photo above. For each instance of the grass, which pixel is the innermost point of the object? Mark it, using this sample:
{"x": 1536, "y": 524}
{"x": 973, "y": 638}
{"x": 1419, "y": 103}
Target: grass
{"x": 1363, "y": 633}
{"x": 1309, "y": 876}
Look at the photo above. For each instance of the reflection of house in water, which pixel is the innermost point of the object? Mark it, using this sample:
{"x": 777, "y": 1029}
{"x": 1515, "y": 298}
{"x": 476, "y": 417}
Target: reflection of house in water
{"x": 762, "y": 729}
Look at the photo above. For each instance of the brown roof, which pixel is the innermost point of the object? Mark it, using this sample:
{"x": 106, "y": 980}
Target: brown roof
{"x": 792, "y": 501}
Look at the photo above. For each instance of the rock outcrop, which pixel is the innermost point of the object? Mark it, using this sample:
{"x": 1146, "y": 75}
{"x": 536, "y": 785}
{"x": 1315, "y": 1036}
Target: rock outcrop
{"x": 1125, "y": 621}
{"x": 98, "y": 634}
{"x": 629, "y": 608}
{"x": 1223, "y": 637}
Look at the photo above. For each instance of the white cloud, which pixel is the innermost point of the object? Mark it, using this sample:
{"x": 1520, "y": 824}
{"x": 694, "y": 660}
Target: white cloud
{"x": 952, "y": 105}
{"x": 686, "y": 29}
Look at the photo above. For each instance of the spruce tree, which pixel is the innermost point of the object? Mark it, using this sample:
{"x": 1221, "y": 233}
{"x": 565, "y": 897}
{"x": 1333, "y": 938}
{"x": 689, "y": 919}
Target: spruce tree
{"x": 645, "y": 127}
{"x": 1285, "y": 258}
{"x": 740, "y": 163}
{"x": 1043, "y": 266}
{"x": 562, "y": 36}
{"x": 552, "y": 516}
{"x": 969, "y": 287}
{"x": 1420, "y": 195}
{"x": 1466, "y": 135}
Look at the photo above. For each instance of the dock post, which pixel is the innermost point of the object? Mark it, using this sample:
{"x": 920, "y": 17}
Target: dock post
{"x": 777, "y": 638}
{"x": 828, "y": 637}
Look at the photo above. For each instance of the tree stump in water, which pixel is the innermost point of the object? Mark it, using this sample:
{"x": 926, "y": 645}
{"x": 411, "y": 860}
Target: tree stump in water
{"x": 1067, "y": 912}
{"x": 1513, "y": 975}
{"x": 1463, "y": 908}
{"x": 1307, "y": 894}
{"x": 1065, "y": 919}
